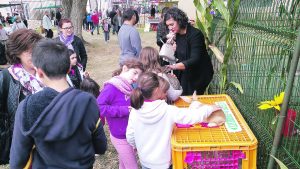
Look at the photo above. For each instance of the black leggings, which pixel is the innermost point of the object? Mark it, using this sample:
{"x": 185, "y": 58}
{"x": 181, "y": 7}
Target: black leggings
{"x": 49, "y": 33}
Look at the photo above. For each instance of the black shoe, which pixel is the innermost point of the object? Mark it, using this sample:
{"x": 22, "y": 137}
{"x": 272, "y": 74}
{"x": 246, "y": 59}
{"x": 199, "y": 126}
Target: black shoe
{"x": 92, "y": 33}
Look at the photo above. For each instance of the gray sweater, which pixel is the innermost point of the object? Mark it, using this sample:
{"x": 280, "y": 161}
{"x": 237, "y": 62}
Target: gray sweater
{"x": 129, "y": 41}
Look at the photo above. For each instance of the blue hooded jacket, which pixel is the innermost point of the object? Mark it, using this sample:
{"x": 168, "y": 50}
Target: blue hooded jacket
{"x": 62, "y": 128}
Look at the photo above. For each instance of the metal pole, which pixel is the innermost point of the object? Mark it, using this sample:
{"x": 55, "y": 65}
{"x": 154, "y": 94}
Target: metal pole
{"x": 284, "y": 107}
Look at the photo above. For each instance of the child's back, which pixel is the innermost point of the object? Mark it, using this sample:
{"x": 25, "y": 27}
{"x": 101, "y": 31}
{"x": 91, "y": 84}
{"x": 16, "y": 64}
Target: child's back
{"x": 61, "y": 122}
{"x": 151, "y": 121}
{"x": 152, "y": 125}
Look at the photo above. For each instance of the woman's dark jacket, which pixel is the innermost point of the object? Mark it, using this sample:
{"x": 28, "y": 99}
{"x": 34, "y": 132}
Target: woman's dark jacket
{"x": 191, "y": 51}
{"x": 10, "y": 97}
{"x": 79, "y": 50}
{"x": 62, "y": 126}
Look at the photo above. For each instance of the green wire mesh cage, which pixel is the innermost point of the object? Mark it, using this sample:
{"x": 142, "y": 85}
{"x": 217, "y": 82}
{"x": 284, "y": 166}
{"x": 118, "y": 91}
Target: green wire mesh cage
{"x": 265, "y": 34}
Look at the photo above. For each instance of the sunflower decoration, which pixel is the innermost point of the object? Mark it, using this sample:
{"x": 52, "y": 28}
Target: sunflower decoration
{"x": 276, "y": 104}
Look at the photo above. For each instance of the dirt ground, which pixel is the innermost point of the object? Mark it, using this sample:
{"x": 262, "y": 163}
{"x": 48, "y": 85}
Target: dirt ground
{"x": 102, "y": 60}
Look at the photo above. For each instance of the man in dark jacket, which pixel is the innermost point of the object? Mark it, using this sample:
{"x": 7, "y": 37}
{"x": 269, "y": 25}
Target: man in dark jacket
{"x": 60, "y": 122}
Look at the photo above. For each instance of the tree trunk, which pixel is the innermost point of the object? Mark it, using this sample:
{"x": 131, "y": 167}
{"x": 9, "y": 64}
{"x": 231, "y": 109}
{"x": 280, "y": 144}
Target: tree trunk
{"x": 67, "y": 6}
{"x": 75, "y": 9}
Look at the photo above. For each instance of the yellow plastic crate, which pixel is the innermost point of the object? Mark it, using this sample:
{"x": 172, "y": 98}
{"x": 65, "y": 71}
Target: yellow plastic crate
{"x": 200, "y": 139}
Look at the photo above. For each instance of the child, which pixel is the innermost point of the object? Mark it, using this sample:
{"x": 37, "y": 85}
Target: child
{"x": 150, "y": 59}
{"x": 89, "y": 85}
{"x": 76, "y": 74}
{"x": 58, "y": 125}
{"x": 106, "y": 29}
{"x": 114, "y": 105}
{"x": 151, "y": 121}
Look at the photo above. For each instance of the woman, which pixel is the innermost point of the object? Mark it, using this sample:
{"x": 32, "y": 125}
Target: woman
{"x": 72, "y": 41}
{"x": 16, "y": 83}
{"x": 129, "y": 37}
{"x": 194, "y": 68}
{"x": 162, "y": 30}
{"x": 18, "y": 24}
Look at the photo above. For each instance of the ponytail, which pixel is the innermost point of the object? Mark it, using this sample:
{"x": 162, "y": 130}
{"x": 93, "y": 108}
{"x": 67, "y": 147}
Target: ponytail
{"x": 136, "y": 99}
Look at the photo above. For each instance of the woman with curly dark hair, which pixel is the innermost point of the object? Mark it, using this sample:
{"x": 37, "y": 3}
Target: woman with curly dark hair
{"x": 193, "y": 68}
{"x": 16, "y": 82}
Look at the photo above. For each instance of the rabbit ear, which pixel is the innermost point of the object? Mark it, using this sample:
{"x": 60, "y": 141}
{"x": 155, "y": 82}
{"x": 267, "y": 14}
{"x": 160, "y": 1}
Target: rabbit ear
{"x": 195, "y": 97}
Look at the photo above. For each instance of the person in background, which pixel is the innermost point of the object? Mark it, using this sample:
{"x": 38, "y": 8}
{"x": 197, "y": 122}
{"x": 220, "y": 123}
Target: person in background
{"x": 95, "y": 20}
{"x": 84, "y": 22}
{"x": 129, "y": 37}
{"x": 18, "y": 24}
{"x": 118, "y": 20}
{"x": 114, "y": 105}
{"x": 72, "y": 41}
{"x": 2, "y": 19}
{"x": 193, "y": 69}
{"x": 3, "y": 39}
{"x": 47, "y": 25}
{"x": 106, "y": 30}
{"x": 58, "y": 15}
{"x": 16, "y": 82}
{"x": 76, "y": 74}
{"x": 59, "y": 126}
{"x": 8, "y": 19}
{"x": 152, "y": 12}
{"x": 111, "y": 15}
{"x": 162, "y": 30}
{"x": 89, "y": 22}
{"x": 151, "y": 121}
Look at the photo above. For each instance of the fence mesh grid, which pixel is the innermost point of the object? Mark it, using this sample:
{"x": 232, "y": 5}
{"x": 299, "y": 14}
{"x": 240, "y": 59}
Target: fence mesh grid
{"x": 265, "y": 34}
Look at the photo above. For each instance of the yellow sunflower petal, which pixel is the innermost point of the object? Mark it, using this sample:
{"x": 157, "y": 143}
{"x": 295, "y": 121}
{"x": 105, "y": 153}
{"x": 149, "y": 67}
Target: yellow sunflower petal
{"x": 266, "y": 102}
{"x": 279, "y": 99}
{"x": 277, "y": 107}
{"x": 265, "y": 106}
{"x": 273, "y": 103}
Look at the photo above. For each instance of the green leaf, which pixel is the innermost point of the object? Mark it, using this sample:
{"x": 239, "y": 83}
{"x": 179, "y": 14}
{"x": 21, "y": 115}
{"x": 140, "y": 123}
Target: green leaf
{"x": 201, "y": 26}
{"x": 235, "y": 12}
{"x": 199, "y": 7}
{"x": 281, "y": 165}
{"x": 238, "y": 86}
{"x": 220, "y": 6}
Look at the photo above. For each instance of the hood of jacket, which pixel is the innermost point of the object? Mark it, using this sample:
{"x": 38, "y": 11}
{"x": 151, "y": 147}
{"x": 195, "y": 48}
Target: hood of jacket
{"x": 54, "y": 118}
{"x": 153, "y": 111}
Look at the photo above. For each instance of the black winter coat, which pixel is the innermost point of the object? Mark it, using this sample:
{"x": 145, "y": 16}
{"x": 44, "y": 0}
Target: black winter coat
{"x": 9, "y": 101}
{"x": 79, "y": 50}
{"x": 191, "y": 51}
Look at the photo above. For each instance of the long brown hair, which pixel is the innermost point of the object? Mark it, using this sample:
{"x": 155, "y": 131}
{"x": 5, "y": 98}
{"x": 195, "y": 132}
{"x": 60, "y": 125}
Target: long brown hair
{"x": 131, "y": 63}
{"x": 150, "y": 59}
{"x": 146, "y": 84}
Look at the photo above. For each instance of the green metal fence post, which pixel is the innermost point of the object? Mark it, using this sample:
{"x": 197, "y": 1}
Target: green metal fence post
{"x": 284, "y": 107}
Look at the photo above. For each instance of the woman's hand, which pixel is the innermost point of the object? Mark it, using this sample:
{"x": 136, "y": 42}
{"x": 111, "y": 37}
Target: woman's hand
{"x": 177, "y": 66}
{"x": 174, "y": 46}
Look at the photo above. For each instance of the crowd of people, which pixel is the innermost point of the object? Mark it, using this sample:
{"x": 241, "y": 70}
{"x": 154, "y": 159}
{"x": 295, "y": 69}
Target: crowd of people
{"x": 52, "y": 112}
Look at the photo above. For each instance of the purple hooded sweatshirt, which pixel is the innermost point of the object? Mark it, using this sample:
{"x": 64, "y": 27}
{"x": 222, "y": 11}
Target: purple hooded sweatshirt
{"x": 114, "y": 106}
